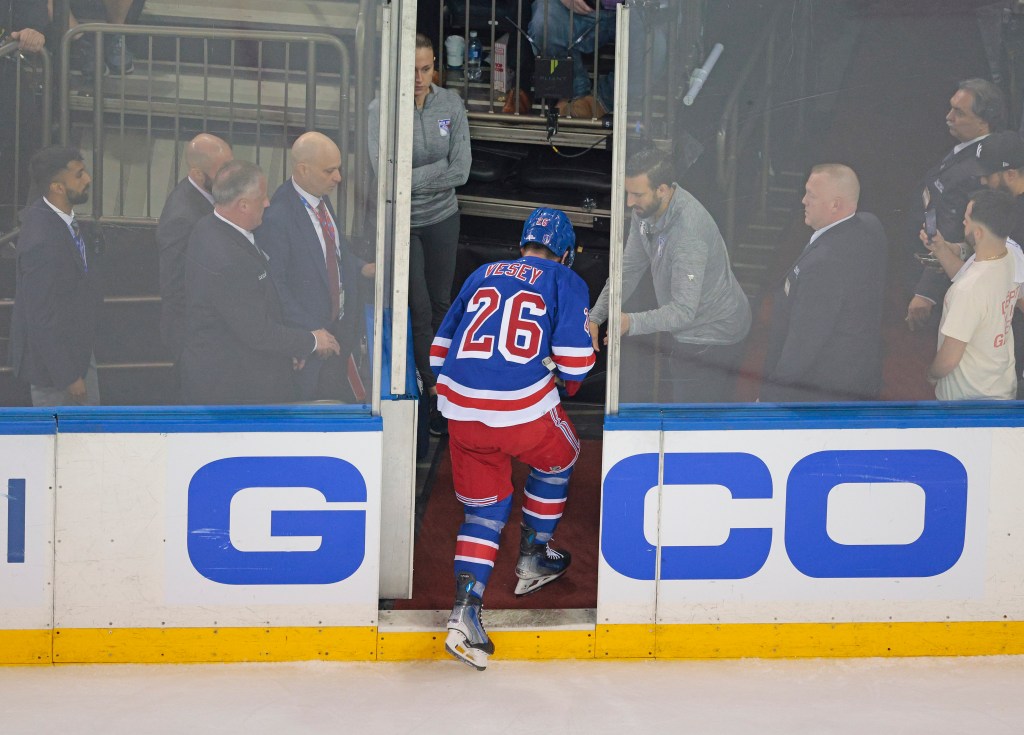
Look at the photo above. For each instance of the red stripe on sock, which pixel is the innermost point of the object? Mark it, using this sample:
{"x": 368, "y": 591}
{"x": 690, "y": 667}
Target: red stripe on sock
{"x": 477, "y": 551}
{"x": 544, "y": 507}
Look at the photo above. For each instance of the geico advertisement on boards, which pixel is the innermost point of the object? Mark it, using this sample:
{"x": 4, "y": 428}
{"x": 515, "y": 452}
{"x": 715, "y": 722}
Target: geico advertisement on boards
{"x": 26, "y": 521}
{"x": 800, "y": 515}
{"x": 273, "y": 519}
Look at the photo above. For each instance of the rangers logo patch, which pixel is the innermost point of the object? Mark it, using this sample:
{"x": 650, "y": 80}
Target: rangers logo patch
{"x": 444, "y": 127}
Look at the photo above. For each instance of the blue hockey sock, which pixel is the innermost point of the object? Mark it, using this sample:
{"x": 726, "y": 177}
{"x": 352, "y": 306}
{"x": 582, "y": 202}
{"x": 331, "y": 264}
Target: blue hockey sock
{"x": 546, "y": 494}
{"x": 476, "y": 547}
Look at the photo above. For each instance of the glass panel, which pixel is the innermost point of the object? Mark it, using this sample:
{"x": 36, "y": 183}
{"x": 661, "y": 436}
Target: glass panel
{"x": 169, "y": 302}
{"x": 739, "y": 288}
{"x": 799, "y": 83}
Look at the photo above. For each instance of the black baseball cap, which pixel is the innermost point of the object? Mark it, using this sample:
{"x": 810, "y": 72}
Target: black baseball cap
{"x": 1001, "y": 152}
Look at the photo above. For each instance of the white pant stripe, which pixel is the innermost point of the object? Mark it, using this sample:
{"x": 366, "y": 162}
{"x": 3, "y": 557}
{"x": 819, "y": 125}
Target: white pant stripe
{"x": 569, "y": 435}
{"x": 475, "y": 502}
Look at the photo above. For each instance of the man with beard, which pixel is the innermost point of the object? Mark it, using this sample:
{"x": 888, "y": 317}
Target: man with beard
{"x": 188, "y": 202}
{"x": 700, "y": 303}
{"x": 57, "y": 294}
{"x": 974, "y": 359}
{"x": 1001, "y": 157}
{"x": 1001, "y": 160}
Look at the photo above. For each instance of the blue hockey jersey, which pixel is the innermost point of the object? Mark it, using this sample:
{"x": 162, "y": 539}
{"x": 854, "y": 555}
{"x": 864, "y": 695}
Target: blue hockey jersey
{"x": 489, "y": 353}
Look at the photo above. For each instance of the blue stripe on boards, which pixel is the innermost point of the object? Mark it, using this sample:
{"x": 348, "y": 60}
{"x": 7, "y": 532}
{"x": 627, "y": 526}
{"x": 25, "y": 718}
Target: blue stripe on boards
{"x": 16, "y": 521}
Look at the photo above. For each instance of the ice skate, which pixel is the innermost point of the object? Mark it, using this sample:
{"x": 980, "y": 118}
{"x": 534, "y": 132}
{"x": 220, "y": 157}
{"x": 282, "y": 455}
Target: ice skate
{"x": 539, "y": 564}
{"x": 467, "y": 640}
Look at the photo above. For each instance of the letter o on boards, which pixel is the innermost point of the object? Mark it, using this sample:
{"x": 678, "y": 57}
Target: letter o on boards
{"x": 342, "y": 532}
{"x": 940, "y": 545}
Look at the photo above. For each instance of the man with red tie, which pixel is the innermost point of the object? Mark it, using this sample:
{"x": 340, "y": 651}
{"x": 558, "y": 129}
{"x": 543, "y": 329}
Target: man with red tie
{"x": 312, "y": 265}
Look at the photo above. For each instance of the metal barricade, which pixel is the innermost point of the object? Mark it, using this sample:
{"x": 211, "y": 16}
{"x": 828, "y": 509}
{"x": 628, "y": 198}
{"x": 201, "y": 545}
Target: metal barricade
{"x": 485, "y": 100}
{"x": 528, "y": 32}
{"x": 531, "y": 32}
{"x": 33, "y": 70}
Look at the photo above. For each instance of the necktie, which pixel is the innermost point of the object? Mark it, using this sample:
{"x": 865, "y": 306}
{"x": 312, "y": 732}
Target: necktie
{"x": 807, "y": 247}
{"x": 79, "y": 243}
{"x": 330, "y": 245}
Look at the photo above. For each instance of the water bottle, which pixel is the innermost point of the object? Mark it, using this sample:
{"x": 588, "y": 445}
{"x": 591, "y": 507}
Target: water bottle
{"x": 474, "y": 52}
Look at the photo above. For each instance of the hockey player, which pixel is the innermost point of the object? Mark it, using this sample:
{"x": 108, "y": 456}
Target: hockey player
{"x": 515, "y": 334}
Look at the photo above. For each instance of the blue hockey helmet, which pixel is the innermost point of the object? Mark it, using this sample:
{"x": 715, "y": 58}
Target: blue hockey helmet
{"x": 552, "y": 229}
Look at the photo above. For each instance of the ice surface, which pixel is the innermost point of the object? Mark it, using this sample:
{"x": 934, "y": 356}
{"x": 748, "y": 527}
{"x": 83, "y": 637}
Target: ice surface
{"x": 856, "y": 696}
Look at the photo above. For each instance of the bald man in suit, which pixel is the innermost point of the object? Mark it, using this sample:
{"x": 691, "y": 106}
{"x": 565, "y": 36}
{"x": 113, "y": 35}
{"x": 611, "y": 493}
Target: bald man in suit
{"x": 313, "y": 267}
{"x": 188, "y": 202}
{"x": 826, "y": 335}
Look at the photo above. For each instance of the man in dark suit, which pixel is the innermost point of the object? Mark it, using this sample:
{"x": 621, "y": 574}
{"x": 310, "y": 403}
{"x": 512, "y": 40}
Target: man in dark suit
{"x": 976, "y": 110}
{"x": 189, "y": 202}
{"x": 826, "y": 336}
{"x": 237, "y": 347}
{"x": 57, "y": 294}
{"x": 313, "y": 267}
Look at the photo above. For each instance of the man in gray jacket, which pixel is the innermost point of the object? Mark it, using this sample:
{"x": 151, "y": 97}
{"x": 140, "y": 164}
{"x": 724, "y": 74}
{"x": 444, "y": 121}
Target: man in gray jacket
{"x": 700, "y": 303}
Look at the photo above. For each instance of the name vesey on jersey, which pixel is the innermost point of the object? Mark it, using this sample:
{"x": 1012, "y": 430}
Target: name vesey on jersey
{"x": 489, "y": 351}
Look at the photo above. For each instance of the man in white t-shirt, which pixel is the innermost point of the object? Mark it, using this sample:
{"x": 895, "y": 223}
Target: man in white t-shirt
{"x": 975, "y": 351}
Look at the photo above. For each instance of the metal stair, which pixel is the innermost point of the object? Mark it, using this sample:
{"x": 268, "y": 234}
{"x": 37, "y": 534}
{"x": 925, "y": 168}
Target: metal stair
{"x": 755, "y": 256}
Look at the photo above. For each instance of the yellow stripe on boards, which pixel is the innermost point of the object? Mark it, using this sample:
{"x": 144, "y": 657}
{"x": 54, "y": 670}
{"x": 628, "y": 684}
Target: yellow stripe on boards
{"x": 760, "y": 640}
{"x": 626, "y": 641}
{"x": 543, "y": 644}
{"x": 25, "y": 647}
{"x": 522, "y": 645}
{"x": 835, "y": 640}
{"x": 198, "y": 645}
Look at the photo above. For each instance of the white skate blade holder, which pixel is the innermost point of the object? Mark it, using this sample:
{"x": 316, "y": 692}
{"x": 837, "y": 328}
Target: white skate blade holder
{"x": 526, "y": 586}
{"x": 457, "y": 645}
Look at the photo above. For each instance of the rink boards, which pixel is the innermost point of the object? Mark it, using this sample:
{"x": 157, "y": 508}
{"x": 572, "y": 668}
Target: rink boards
{"x": 830, "y": 531}
{"x": 177, "y": 535}
{"x": 190, "y": 536}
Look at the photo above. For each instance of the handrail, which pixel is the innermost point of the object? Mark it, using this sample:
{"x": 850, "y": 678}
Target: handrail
{"x": 100, "y": 30}
{"x": 728, "y": 134}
